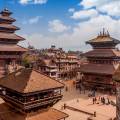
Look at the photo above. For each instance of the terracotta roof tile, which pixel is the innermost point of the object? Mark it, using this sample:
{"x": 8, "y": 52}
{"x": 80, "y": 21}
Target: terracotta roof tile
{"x": 28, "y": 80}
{"x": 10, "y": 36}
{"x": 7, "y": 18}
{"x": 116, "y": 76}
{"x": 46, "y": 62}
{"x": 7, "y": 113}
{"x": 107, "y": 69}
{"x": 12, "y": 48}
{"x": 103, "y": 39}
{"x": 9, "y": 26}
{"x": 103, "y": 53}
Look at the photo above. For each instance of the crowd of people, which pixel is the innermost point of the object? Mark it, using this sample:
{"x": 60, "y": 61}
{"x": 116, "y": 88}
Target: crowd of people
{"x": 101, "y": 99}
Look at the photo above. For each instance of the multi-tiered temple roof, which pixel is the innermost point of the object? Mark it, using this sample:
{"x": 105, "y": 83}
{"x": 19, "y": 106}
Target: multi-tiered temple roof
{"x": 102, "y": 56}
{"x": 103, "y": 40}
{"x": 27, "y": 93}
{"x": 10, "y": 52}
{"x": 7, "y": 31}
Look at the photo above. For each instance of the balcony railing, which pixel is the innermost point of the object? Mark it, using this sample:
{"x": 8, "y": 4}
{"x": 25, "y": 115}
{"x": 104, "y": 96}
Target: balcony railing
{"x": 31, "y": 104}
{"x": 41, "y": 102}
{"x": 10, "y": 56}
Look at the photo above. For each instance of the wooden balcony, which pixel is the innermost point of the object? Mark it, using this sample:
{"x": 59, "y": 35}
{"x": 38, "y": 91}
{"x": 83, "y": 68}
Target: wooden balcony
{"x": 22, "y": 106}
{"x": 42, "y": 102}
{"x": 10, "y": 56}
{"x": 98, "y": 84}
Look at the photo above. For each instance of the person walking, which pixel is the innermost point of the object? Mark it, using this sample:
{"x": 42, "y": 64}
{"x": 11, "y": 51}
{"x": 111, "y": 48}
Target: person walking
{"x": 93, "y": 100}
{"x": 103, "y": 100}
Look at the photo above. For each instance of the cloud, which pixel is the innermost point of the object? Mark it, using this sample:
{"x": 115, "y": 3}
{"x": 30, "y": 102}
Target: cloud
{"x": 82, "y": 32}
{"x": 57, "y": 26}
{"x": 33, "y": 2}
{"x": 110, "y": 7}
{"x": 71, "y": 10}
{"x": 84, "y": 14}
{"x": 94, "y": 3}
{"x": 33, "y": 20}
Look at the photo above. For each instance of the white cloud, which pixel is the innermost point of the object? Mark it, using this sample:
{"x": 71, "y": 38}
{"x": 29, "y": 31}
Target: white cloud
{"x": 33, "y": 20}
{"x": 33, "y": 1}
{"x": 71, "y": 10}
{"x": 111, "y": 7}
{"x": 84, "y": 14}
{"x": 57, "y": 26}
{"x": 94, "y": 3}
{"x": 84, "y": 31}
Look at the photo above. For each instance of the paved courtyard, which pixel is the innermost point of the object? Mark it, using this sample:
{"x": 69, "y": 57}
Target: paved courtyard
{"x": 74, "y": 99}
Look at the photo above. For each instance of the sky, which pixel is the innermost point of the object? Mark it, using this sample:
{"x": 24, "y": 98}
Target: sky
{"x": 64, "y": 23}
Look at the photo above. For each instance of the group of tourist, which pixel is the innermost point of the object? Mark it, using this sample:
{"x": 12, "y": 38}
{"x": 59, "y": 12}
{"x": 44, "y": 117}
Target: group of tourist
{"x": 101, "y": 99}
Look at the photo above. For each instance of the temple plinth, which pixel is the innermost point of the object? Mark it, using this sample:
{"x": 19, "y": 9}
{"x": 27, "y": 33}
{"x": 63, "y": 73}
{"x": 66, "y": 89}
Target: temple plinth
{"x": 102, "y": 62}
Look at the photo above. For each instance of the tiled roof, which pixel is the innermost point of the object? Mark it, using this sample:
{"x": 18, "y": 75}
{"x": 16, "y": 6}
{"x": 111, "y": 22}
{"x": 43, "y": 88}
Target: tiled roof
{"x": 47, "y": 62}
{"x": 116, "y": 76}
{"x": 7, "y": 113}
{"x": 12, "y": 48}
{"x": 28, "y": 80}
{"x": 103, "y": 53}
{"x": 9, "y": 26}
{"x": 103, "y": 39}
{"x": 107, "y": 69}
{"x": 10, "y": 36}
{"x": 6, "y": 18}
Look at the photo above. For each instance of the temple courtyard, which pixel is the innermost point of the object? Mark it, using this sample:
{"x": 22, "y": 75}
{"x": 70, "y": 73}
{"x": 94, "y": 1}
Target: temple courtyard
{"x": 81, "y": 107}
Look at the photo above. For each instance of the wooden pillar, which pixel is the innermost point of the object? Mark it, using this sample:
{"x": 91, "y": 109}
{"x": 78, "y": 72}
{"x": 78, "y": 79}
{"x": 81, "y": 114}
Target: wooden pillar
{"x": 2, "y": 68}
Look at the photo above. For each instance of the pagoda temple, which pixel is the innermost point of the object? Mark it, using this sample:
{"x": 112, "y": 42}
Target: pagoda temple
{"x": 10, "y": 52}
{"x": 27, "y": 94}
{"x": 102, "y": 62}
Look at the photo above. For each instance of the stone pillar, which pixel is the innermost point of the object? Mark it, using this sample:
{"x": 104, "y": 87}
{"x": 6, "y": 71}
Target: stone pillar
{"x": 2, "y": 68}
{"x": 117, "y": 101}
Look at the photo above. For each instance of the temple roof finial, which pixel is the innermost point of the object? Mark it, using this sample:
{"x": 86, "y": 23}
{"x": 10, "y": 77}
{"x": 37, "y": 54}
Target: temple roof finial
{"x": 103, "y": 31}
{"x": 108, "y": 33}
